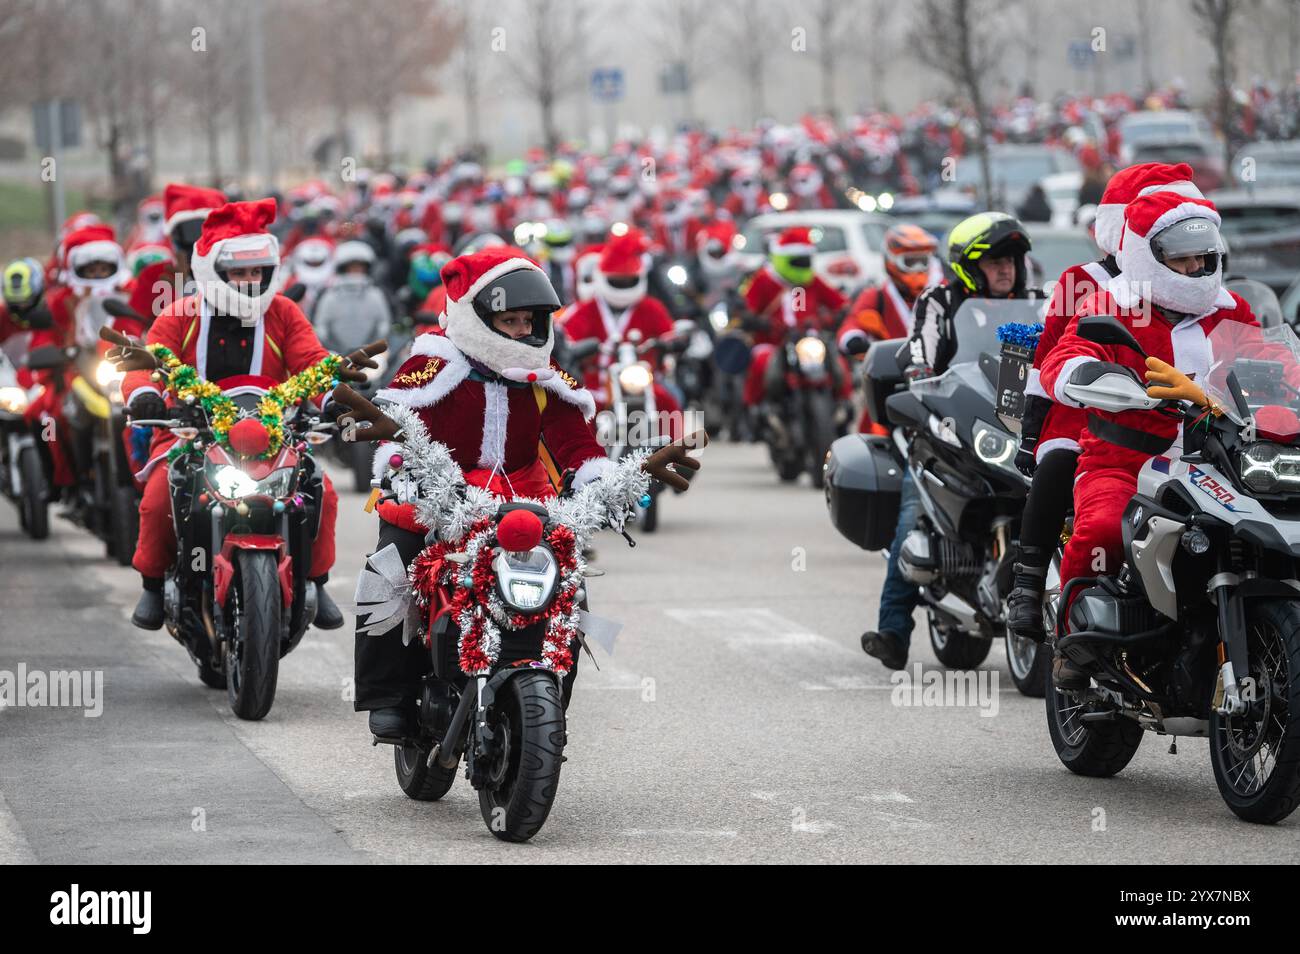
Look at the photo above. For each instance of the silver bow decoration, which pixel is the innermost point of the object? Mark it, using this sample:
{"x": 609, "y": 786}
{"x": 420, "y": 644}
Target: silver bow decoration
{"x": 384, "y": 596}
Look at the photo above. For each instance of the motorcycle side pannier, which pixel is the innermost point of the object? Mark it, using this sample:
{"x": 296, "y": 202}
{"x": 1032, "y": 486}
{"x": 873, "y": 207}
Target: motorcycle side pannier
{"x": 864, "y": 488}
{"x": 882, "y": 375}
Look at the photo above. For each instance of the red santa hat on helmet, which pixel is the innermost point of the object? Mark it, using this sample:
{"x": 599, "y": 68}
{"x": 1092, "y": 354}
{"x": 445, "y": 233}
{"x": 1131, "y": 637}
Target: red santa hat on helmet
{"x": 93, "y": 243}
{"x": 1126, "y": 185}
{"x": 624, "y": 256}
{"x": 1143, "y": 277}
{"x": 235, "y": 236}
{"x": 795, "y": 241}
{"x": 187, "y": 203}
{"x": 463, "y": 278}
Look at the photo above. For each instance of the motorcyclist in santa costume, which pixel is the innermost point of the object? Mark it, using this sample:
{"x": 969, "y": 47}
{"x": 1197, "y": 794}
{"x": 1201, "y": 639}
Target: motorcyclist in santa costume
{"x": 235, "y": 326}
{"x": 1049, "y": 439}
{"x": 783, "y": 296}
{"x": 1170, "y": 295}
{"x": 620, "y": 310}
{"x": 510, "y": 418}
{"x": 186, "y": 208}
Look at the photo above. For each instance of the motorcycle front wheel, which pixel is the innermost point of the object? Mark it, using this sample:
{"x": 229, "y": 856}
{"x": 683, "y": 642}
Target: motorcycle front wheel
{"x": 821, "y": 434}
{"x": 126, "y": 523}
{"x": 253, "y": 653}
{"x": 1256, "y": 755}
{"x": 521, "y": 785}
{"x": 35, "y": 506}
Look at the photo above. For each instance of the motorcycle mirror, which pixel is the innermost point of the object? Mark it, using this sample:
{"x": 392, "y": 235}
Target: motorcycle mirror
{"x": 47, "y": 358}
{"x": 295, "y": 292}
{"x": 1107, "y": 330}
{"x": 857, "y": 345}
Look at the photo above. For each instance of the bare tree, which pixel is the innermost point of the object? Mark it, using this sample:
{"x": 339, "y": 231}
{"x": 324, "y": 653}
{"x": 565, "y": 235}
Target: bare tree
{"x": 965, "y": 50}
{"x": 1214, "y": 22}
{"x": 682, "y": 42}
{"x": 546, "y": 63}
{"x": 874, "y": 38}
{"x": 749, "y": 45}
{"x": 833, "y": 18}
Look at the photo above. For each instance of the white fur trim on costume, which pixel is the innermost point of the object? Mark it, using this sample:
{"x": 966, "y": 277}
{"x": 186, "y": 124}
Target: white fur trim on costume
{"x": 126, "y": 399}
{"x": 1034, "y": 385}
{"x": 224, "y": 298}
{"x": 527, "y": 375}
{"x": 496, "y": 417}
{"x": 379, "y": 463}
{"x": 1182, "y": 187}
{"x": 1062, "y": 379}
{"x": 186, "y": 215}
{"x": 592, "y": 469}
{"x": 1108, "y": 226}
{"x": 473, "y": 337}
{"x": 1097, "y": 272}
{"x": 101, "y": 251}
{"x": 624, "y": 298}
{"x": 580, "y": 398}
{"x": 1056, "y": 443}
{"x": 456, "y": 370}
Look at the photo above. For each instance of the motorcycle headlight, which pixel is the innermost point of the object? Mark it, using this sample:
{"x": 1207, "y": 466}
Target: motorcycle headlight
{"x": 527, "y": 580}
{"x": 1267, "y": 468}
{"x": 635, "y": 378}
{"x": 811, "y": 353}
{"x": 718, "y": 318}
{"x": 677, "y": 275}
{"x": 232, "y": 482}
{"x": 13, "y": 400}
{"x": 106, "y": 374}
{"x": 993, "y": 445}
{"x": 278, "y": 483}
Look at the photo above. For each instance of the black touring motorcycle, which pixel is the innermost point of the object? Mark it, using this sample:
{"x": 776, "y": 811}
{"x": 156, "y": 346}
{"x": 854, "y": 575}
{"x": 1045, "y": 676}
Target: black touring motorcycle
{"x": 949, "y": 438}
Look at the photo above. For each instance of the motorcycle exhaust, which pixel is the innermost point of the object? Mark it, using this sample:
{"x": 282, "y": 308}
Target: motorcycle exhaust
{"x": 454, "y": 730}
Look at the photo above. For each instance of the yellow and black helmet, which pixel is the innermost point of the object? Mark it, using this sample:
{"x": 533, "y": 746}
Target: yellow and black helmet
{"x": 24, "y": 284}
{"x": 987, "y": 235}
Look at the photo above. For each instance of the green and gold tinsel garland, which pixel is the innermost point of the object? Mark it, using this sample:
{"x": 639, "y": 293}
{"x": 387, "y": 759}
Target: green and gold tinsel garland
{"x": 184, "y": 382}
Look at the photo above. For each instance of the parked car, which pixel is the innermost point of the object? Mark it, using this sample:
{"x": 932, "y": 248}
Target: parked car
{"x": 1262, "y": 229}
{"x": 1015, "y": 170}
{"x": 1056, "y": 249}
{"x": 1265, "y": 165}
{"x": 849, "y": 243}
{"x": 1173, "y": 136}
{"x": 937, "y": 212}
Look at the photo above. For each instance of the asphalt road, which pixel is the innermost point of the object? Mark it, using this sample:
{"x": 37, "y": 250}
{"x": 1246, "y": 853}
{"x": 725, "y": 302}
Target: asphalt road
{"x": 735, "y": 720}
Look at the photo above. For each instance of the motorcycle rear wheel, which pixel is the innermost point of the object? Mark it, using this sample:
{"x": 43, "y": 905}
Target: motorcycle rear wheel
{"x": 958, "y": 650}
{"x": 253, "y": 656}
{"x": 416, "y": 779}
{"x": 1256, "y": 757}
{"x": 1030, "y": 664}
{"x": 529, "y": 717}
{"x": 1094, "y": 749}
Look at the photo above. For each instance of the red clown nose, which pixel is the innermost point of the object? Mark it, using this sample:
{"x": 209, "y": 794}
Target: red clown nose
{"x": 519, "y": 531}
{"x": 249, "y": 438}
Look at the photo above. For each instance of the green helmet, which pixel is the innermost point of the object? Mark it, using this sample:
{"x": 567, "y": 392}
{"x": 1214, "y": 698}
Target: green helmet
{"x": 986, "y": 235}
{"x": 24, "y": 284}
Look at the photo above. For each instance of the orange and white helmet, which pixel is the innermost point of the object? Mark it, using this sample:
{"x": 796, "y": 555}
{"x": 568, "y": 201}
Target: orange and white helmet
{"x": 909, "y": 257}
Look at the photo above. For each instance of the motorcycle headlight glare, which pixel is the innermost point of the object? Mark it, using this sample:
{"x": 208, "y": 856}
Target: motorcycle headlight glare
{"x": 993, "y": 445}
{"x": 1268, "y": 468}
{"x": 635, "y": 378}
{"x": 106, "y": 374}
{"x": 527, "y": 580}
{"x": 13, "y": 400}
{"x": 718, "y": 318}
{"x": 232, "y": 482}
{"x": 811, "y": 352}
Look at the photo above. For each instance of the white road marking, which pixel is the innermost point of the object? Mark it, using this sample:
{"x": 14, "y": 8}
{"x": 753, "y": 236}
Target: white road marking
{"x": 747, "y": 628}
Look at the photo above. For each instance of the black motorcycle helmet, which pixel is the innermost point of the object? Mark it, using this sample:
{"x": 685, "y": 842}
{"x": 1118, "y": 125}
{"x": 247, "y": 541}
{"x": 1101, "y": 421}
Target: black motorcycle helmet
{"x": 525, "y": 289}
{"x": 184, "y": 235}
{"x": 987, "y": 235}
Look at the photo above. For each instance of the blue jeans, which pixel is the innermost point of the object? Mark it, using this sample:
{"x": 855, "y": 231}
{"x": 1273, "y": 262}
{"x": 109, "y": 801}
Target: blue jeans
{"x": 899, "y": 598}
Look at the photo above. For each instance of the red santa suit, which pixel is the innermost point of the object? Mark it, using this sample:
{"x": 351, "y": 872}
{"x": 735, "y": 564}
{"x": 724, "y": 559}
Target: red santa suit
{"x": 786, "y": 308}
{"x": 510, "y": 418}
{"x": 614, "y": 314}
{"x": 282, "y": 344}
{"x": 1107, "y": 471}
{"x": 1063, "y": 424}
